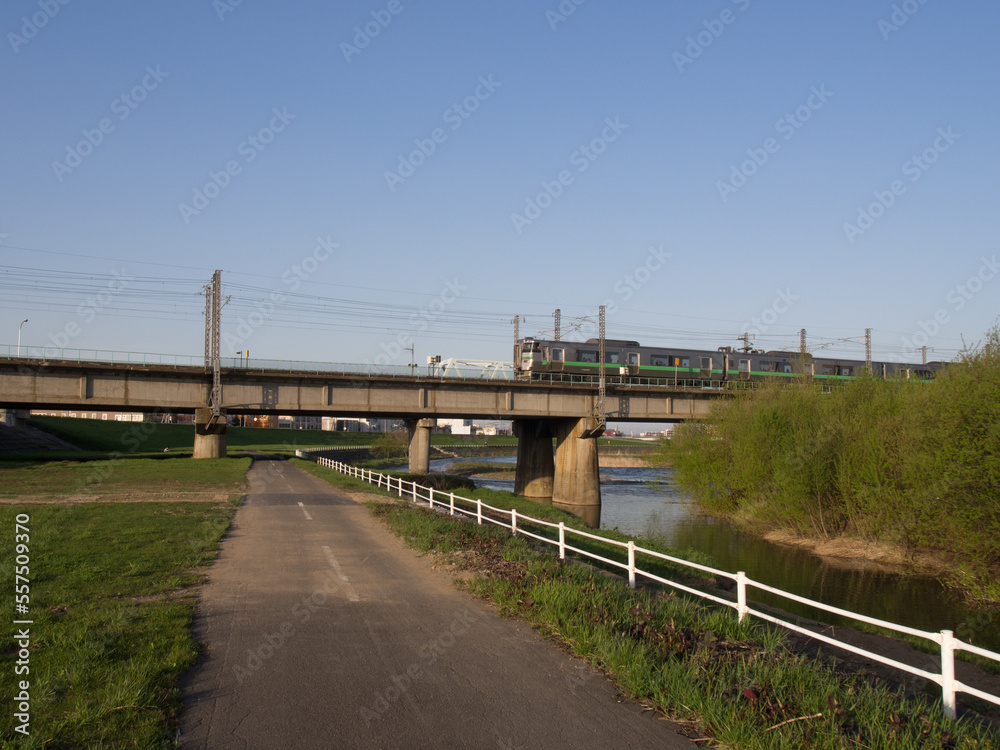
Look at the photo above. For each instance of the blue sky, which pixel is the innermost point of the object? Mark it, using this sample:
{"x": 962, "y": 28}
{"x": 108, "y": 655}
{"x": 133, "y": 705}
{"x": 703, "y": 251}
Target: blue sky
{"x": 375, "y": 171}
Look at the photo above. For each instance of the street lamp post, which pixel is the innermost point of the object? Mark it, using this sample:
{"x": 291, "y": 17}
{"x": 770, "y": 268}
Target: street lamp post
{"x": 19, "y": 336}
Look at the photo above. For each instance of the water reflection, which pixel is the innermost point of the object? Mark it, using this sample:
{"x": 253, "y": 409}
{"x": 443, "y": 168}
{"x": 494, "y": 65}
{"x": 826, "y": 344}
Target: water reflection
{"x": 645, "y": 502}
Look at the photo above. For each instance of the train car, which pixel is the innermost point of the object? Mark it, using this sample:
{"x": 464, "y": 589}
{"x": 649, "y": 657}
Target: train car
{"x": 625, "y": 359}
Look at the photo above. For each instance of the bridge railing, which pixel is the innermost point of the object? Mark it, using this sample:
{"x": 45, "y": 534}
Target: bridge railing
{"x": 254, "y": 364}
{"x": 560, "y": 536}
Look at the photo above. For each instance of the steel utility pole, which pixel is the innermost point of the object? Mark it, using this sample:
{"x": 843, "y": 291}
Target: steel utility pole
{"x": 868, "y": 349}
{"x": 923, "y": 354}
{"x": 745, "y": 338}
{"x": 802, "y": 341}
{"x": 602, "y": 381}
{"x": 558, "y": 328}
{"x": 216, "y": 322}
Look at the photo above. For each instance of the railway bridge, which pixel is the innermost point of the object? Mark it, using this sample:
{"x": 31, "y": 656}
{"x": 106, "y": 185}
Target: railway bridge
{"x": 562, "y": 410}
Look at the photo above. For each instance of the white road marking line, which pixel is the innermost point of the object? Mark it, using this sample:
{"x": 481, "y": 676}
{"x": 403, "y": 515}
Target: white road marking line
{"x": 305, "y": 512}
{"x": 348, "y": 588}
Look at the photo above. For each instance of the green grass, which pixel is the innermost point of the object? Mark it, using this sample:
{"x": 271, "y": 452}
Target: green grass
{"x": 111, "y": 618}
{"x": 60, "y": 479}
{"x": 691, "y": 662}
{"x": 150, "y": 437}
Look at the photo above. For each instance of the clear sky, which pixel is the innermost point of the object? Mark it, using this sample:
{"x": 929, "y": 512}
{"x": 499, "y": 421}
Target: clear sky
{"x": 366, "y": 172}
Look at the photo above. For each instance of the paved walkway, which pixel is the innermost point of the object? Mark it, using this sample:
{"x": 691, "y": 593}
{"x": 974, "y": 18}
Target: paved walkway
{"x": 323, "y": 630}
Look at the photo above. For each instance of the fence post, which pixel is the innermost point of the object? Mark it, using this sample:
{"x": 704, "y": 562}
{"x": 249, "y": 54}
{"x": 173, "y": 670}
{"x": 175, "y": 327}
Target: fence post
{"x": 400, "y": 487}
{"x": 452, "y": 504}
{"x": 479, "y": 512}
{"x": 631, "y": 564}
{"x": 948, "y": 673}
{"x": 562, "y": 541}
{"x": 430, "y": 496}
{"x": 513, "y": 521}
{"x": 741, "y": 594}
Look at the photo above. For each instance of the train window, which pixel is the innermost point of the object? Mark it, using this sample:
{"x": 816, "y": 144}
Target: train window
{"x": 612, "y": 358}
{"x": 685, "y": 361}
{"x": 786, "y": 367}
{"x": 633, "y": 358}
{"x": 586, "y": 356}
{"x": 659, "y": 360}
{"x": 706, "y": 363}
{"x": 530, "y": 346}
{"x": 744, "y": 365}
{"x": 557, "y": 355}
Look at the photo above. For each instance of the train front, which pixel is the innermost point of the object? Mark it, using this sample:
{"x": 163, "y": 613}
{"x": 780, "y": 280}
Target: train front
{"x": 527, "y": 357}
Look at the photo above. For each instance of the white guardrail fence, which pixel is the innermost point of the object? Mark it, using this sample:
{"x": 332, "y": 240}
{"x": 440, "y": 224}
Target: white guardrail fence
{"x": 517, "y": 522}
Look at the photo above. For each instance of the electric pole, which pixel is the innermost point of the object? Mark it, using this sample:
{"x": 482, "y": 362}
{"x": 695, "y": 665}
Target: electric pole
{"x": 216, "y": 321}
{"x": 868, "y": 349}
{"x": 745, "y": 338}
{"x": 558, "y": 316}
{"x": 802, "y": 341}
{"x": 602, "y": 380}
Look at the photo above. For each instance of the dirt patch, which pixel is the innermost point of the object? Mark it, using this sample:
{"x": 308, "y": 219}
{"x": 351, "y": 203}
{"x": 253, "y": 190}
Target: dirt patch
{"x": 861, "y": 551}
{"x": 119, "y": 497}
{"x": 623, "y": 461}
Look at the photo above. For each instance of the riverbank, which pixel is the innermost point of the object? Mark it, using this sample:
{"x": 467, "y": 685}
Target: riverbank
{"x": 909, "y": 463}
{"x": 736, "y": 685}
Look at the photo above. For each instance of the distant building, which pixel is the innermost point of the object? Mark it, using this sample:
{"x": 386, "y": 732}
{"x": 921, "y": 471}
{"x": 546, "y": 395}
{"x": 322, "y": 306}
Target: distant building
{"x": 109, "y": 416}
{"x": 458, "y": 426}
{"x": 359, "y": 424}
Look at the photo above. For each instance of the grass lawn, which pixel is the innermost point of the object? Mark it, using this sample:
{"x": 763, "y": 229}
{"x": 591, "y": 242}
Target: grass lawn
{"x": 110, "y": 598}
{"x": 61, "y": 479}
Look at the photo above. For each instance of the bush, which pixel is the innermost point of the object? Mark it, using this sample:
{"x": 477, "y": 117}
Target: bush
{"x": 910, "y": 463}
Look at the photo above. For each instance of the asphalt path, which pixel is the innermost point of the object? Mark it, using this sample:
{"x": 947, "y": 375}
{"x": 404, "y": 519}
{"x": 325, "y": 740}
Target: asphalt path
{"x": 322, "y": 630}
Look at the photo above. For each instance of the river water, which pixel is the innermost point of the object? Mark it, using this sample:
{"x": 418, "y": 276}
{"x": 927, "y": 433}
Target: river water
{"x": 646, "y": 502}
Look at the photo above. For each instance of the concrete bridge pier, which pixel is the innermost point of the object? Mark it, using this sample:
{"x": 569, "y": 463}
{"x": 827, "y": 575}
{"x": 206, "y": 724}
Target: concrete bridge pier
{"x": 209, "y": 434}
{"x": 420, "y": 444}
{"x": 535, "y": 471}
{"x": 577, "y": 486}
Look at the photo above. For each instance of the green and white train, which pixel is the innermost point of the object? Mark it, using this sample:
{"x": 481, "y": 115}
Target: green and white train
{"x": 628, "y": 360}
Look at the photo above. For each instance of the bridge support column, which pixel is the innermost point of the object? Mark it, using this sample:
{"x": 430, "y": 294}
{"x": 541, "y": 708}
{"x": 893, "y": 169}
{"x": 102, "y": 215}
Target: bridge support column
{"x": 420, "y": 444}
{"x": 209, "y": 434}
{"x": 535, "y": 470}
{"x": 577, "y": 485}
